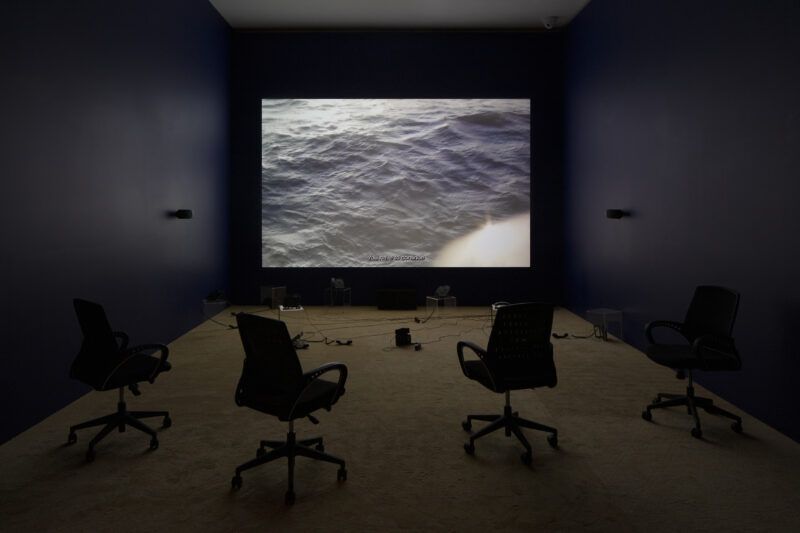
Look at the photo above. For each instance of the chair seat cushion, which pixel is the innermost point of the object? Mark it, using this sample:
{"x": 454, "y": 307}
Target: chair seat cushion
{"x": 672, "y": 355}
{"x": 476, "y": 369}
{"x": 680, "y": 356}
{"x": 317, "y": 396}
{"x": 134, "y": 369}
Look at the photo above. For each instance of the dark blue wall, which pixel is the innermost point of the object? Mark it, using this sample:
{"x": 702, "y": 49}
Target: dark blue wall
{"x": 398, "y": 65}
{"x": 113, "y": 113}
{"x": 687, "y": 114}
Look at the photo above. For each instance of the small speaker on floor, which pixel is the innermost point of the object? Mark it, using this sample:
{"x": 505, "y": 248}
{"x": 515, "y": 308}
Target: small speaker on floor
{"x": 402, "y": 337}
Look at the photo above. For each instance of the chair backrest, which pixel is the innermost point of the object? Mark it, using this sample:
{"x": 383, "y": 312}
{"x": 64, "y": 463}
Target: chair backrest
{"x": 337, "y": 283}
{"x": 519, "y": 343}
{"x": 271, "y": 366}
{"x": 712, "y": 311}
{"x": 99, "y": 348}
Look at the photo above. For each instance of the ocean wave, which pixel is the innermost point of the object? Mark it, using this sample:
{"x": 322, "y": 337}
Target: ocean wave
{"x": 347, "y": 180}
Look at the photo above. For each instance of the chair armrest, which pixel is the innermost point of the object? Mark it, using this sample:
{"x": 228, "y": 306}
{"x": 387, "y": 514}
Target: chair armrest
{"x": 123, "y": 337}
{"x": 134, "y": 350}
{"x": 315, "y": 374}
{"x": 162, "y": 366}
{"x": 714, "y": 343}
{"x": 648, "y": 329}
{"x": 239, "y": 394}
{"x": 480, "y": 352}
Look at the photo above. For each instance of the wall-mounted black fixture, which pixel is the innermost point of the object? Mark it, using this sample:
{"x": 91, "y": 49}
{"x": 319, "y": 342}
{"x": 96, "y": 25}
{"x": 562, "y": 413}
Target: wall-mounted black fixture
{"x": 183, "y": 213}
{"x": 616, "y": 213}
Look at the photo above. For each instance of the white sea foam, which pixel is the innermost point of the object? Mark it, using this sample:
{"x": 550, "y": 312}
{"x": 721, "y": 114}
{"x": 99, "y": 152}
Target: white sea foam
{"x": 505, "y": 244}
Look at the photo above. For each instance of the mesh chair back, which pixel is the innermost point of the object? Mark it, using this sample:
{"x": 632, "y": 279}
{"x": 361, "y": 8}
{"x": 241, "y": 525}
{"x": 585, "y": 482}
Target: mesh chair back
{"x": 99, "y": 349}
{"x": 519, "y": 344}
{"x": 712, "y": 311}
{"x": 271, "y": 366}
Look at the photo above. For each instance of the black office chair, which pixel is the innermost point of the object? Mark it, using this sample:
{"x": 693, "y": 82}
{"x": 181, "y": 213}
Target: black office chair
{"x": 707, "y": 329}
{"x": 273, "y": 382}
{"x": 105, "y": 364}
{"x": 519, "y": 356}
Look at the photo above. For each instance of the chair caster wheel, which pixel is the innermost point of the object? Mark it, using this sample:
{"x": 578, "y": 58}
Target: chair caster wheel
{"x": 236, "y": 482}
{"x": 260, "y": 452}
{"x": 72, "y": 438}
{"x": 167, "y": 422}
{"x": 154, "y": 443}
{"x": 341, "y": 474}
{"x": 320, "y": 447}
{"x": 697, "y": 433}
{"x": 527, "y": 458}
{"x": 552, "y": 440}
{"x": 647, "y": 415}
{"x": 737, "y": 427}
{"x": 469, "y": 448}
{"x": 289, "y": 499}
{"x": 466, "y": 425}
{"x": 90, "y": 455}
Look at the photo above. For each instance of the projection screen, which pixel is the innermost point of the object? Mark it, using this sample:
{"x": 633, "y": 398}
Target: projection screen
{"x": 395, "y": 183}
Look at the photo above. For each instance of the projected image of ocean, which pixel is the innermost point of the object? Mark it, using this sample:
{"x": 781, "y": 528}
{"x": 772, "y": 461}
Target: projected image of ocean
{"x": 399, "y": 183}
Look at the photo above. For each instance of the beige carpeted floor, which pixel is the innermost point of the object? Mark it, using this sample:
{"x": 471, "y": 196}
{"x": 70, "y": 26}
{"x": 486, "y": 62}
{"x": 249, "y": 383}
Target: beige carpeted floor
{"x": 399, "y": 429}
